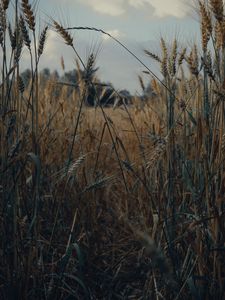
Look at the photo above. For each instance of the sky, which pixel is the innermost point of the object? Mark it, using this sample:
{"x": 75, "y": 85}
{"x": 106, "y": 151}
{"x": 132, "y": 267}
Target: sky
{"x": 138, "y": 24}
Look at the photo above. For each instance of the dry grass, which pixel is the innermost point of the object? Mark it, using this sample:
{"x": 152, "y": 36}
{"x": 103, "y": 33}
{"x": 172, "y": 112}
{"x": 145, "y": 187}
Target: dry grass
{"x": 112, "y": 203}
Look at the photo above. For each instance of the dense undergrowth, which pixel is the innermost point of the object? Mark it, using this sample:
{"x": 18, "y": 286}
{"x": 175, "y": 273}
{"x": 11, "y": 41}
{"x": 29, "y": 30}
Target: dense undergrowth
{"x": 112, "y": 203}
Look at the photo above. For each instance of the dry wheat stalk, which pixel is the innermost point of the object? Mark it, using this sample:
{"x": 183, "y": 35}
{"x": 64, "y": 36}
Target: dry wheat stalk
{"x": 1, "y": 36}
{"x": 158, "y": 152}
{"x": 152, "y": 55}
{"x": 64, "y": 34}
{"x": 25, "y": 33}
{"x": 21, "y": 86}
{"x": 164, "y": 47}
{"x": 75, "y": 165}
{"x": 182, "y": 56}
{"x": 42, "y": 41}
{"x": 219, "y": 31}
{"x": 222, "y": 33}
{"x": 141, "y": 83}
{"x": 173, "y": 58}
{"x": 29, "y": 15}
{"x": 193, "y": 61}
{"x": 217, "y": 35}
{"x": 164, "y": 67}
{"x": 155, "y": 86}
{"x": 223, "y": 144}
{"x": 207, "y": 62}
{"x": 89, "y": 71}
{"x": 5, "y": 4}
{"x": 19, "y": 47}
{"x": 62, "y": 63}
{"x": 12, "y": 37}
{"x": 217, "y": 8}
{"x": 206, "y": 25}
{"x": 3, "y": 23}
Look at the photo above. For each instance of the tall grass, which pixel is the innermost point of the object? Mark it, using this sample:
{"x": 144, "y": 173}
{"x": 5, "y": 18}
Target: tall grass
{"x": 112, "y": 203}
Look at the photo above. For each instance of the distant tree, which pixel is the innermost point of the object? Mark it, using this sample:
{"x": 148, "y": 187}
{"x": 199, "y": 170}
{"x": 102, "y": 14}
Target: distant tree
{"x": 45, "y": 73}
{"x": 124, "y": 96}
{"x": 55, "y": 75}
{"x": 70, "y": 77}
{"x": 26, "y": 77}
{"x": 96, "y": 91}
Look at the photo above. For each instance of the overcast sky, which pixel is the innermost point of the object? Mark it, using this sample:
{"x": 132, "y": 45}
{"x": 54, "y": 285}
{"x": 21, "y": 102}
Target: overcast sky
{"x": 139, "y": 24}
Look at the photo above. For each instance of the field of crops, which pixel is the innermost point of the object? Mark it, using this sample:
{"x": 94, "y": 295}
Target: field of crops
{"x": 112, "y": 200}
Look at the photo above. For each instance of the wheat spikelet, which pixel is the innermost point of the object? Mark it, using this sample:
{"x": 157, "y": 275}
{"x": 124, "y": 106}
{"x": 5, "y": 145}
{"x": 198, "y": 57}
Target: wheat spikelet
{"x": 219, "y": 32}
{"x": 182, "y": 56}
{"x": 164, "y": 67}
{"x": 71, "y": 169}
{"x": 222, "y": 28}
{"x": 64, "y": 34}
{"x": 28, "y": 13}
{"x": 3, "y": 23}
{"x": 42, "y": 41}
{"x": 141, "y": 83}
{"x": 79, "y": 72}
{"x": 155, "y": 86}
{"x": 62, "y": 63}
{"x": 173, "y": 58}
{"x": 5, "y": 4}
{"x": 15, "y": 149}
{"x": 19, "y": 47}
{"x": 164, "y": 47}
{"x": 158, "y": 152}
{"x": 206, "y": 25}
{"x": 20, "y": 84}
{"x": 12, "y": 37}
{"x": 217, "y": 35}
{"x": 89, "y": 71}
{"x": 25, "y": 33}
{"x": 223, "y": 144}
{"x": 217, "y": 9}
{"x": 208, "y": 66}
{"x": 100, "y": 183}
{"x": 193, "y": 62}
{"x": 152, "y": 55}
{"x": 75, "y": 165}
{"x": 195, "y": 56}
{"x": 1, "y": 36}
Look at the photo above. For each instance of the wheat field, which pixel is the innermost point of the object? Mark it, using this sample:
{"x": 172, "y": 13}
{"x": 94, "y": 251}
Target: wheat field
{"x": 118, "y": 201}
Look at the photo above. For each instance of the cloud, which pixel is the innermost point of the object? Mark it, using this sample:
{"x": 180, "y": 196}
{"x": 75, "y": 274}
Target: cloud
{"x": 115, "y": 33}
{"x": 164, "y": 8}
{"x": 114, "y": 8}
{"x": 161, "y": 8}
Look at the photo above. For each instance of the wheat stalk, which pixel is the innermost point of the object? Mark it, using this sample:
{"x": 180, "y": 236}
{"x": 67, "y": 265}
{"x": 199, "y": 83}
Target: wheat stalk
{"x": 223, "y": 144}
{"x": 42, "y": 41}
{"x": 28, "y": 13}
{"x": 182, "y": 56}
{"x": 25, "y": 33}
{"x": 164, "y": 67}
{"x": 157, "y": 153}
{"x": 217, "y": 9}
{"x": 193, "y": 61}
{"x": 64, "y": 34}
{"x": 207, "y": 62}
{"x": 173, "y": 58}
{"x": 206, "y": 25}
{"x": 141, "y": 83}
{"x": 12, "y": 37}
{"x": 21, "y": 86}
{"x": 3, "y": 23}
{"x": 153, "y": 56}
{"x": 5, "y": 4}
